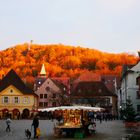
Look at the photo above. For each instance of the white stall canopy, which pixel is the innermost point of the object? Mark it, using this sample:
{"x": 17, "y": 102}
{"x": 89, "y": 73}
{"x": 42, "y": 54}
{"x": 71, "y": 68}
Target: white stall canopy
{"x": 95, "y": 109}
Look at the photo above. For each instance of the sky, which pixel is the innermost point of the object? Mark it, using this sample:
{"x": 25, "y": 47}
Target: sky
{"x": 107, "y": 25}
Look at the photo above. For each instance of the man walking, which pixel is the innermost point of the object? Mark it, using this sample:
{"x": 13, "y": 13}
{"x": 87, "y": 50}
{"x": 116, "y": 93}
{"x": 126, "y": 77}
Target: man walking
{"x": 35, "y": 124}
{"x": 8, "y": 122}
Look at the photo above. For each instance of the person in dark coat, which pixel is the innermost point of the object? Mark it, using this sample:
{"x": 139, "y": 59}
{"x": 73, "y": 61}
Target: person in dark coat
{"x": 35, "y": 124}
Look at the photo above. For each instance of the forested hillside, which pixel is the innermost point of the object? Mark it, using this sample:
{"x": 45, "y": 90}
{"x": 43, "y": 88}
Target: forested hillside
{"x": 60, "y": 60}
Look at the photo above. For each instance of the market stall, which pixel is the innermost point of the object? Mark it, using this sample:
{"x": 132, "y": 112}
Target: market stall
{"x": 75, "y": 120}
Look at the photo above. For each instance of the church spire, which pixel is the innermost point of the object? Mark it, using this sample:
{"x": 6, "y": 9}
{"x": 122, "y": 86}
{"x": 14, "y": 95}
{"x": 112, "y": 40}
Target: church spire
{"x": 43, "y": 71}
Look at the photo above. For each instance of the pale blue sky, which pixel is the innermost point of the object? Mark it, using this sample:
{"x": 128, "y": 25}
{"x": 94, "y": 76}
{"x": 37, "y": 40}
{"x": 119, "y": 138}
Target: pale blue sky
{"x": 107, "y": 25}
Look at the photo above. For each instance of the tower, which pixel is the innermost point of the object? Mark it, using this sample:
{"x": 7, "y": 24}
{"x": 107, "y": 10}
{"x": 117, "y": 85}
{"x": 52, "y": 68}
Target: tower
{"x": 40, "y": 78}
{"x": 43, "y": 71}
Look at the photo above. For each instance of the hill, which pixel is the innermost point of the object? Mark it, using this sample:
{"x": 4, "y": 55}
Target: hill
{"x": 61, "y": 60}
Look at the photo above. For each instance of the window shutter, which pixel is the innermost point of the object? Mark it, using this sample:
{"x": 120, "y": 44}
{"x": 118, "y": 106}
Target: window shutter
{"x": 18, "y": 99}
{"x": 8, "y": 99}
{"x": 22, "y": 100}
{"x": 2, "y": 99}
{"x": 28, "y": 100}
{"x": 13, "y": 99}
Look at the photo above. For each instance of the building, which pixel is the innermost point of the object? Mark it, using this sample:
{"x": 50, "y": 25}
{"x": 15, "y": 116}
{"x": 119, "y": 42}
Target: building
{"x": 16, "y": 99}
{"x": 94, "y": 93}
{"x": 112, "y": 82}
{"x": 40, "y": 78}
{"x": 51, "y": 90}
{"x": 130, "y": 86}
{"x": 52, "y": 93}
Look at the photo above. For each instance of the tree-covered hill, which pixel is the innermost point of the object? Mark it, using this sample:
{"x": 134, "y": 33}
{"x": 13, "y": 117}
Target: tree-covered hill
{"x": 60, "y": 60}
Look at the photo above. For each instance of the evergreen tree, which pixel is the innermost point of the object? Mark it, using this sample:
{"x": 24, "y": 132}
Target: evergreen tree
{"x": 129, "y": 111}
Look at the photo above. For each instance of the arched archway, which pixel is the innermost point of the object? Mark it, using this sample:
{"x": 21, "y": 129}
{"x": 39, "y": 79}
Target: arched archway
{"x": 16, "y": 113}
{"x": 25, "y": 113}
{"x": 5, "y": 113}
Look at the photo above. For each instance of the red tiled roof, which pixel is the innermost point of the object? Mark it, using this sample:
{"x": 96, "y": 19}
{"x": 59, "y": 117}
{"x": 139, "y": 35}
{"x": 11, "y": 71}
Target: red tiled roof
{"x": 89, "y": 76}
{"x": 90, "y": 89}
{"x": 109, "y": 81}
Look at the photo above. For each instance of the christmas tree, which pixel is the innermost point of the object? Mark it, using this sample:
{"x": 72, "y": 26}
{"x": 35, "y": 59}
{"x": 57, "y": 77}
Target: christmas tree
{"x": 129, "y": 111}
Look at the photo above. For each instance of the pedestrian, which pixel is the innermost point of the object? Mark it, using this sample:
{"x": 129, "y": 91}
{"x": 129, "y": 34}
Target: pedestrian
{"x": 35, "y": 124}
{"x": 92, "y": 128}
{"x": 8, "y": 122}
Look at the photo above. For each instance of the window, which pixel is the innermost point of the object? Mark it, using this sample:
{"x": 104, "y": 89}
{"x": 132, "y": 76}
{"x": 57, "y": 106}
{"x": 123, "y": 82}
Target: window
{"x": 41, "y": 104}
{"x": 41, "y": 96}
{"x": 45, "y": 96}
{"x": 138, "y": 95}
{"x": 54, "y": 95}
{"x": 26, "y": 100}
{"x": 54, "y": 104}
{"x": 138, "y": 108}
{"x": 137, "y": 80}
{"x": 47, "y": 88}
{"x": 11, "y": 90}
{"x": 6, "y": 99}
{"x": 45, "y": 104}
{"x": 16, "y": 100}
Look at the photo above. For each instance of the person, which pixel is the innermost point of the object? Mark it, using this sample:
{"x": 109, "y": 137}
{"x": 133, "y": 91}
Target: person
{"x": 8, "y": 122}
{"x": 35, "y": 124}
{"x": 92, "y": 128}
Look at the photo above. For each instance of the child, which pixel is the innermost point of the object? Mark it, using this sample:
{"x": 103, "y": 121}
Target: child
{"x": 92, "y": 128}
{"x": 8, "y": 121}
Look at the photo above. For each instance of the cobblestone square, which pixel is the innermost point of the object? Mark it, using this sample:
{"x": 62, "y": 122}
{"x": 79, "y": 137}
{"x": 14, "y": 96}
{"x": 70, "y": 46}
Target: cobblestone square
{"x": 111, "y": 130}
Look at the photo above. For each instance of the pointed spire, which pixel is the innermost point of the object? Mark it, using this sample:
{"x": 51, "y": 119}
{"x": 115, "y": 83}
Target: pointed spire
{"x": 43, "y": 71}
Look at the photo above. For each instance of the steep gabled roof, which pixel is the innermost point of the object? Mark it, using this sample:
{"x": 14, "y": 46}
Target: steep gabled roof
{"x": 59, "y": 84}
{"x": 111, "y": 82}
{"x": 126, "y": 69}
{"x": 91, "y": 89}
{"x": 13, "y": 79}
{"x": 136, "y": 68}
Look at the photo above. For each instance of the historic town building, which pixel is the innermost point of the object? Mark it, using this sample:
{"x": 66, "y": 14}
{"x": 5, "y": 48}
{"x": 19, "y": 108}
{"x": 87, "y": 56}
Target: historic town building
{"x": 52, "y": 91}
{"x": 16, "y": 99}
{"x": 130, "y": 86}
{"x": 94, "y": 93}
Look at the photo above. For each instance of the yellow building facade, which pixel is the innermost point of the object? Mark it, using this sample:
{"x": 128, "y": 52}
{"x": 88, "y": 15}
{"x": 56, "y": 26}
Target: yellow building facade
{"x": 16, "y": 99}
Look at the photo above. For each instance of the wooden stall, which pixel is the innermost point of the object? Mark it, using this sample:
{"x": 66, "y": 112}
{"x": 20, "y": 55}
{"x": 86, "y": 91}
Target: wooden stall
{"x": 75, "y": 120}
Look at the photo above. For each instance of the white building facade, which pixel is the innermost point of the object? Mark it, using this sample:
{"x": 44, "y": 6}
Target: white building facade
{"x": 129, "y": 87}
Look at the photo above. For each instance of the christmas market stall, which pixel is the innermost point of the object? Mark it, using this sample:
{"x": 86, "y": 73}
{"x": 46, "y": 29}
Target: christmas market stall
{"x": 74, "y": 120}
